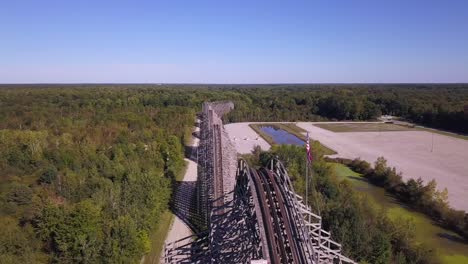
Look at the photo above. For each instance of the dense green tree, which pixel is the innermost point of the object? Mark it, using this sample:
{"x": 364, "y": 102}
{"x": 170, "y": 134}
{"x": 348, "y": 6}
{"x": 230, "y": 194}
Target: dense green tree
{"x": 84, "y": 171}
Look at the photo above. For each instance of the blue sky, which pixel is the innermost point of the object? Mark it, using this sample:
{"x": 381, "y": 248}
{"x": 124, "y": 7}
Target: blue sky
{"x": 233, "y": 41}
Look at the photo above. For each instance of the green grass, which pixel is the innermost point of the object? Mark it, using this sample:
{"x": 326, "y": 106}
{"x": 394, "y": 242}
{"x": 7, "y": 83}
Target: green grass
{"x": 181, "y": 175}
{"x": 425, "y": 230}
{"x": 343, "y": 171}
{"x": 455, "y": 259}
{"x": 290, "y": 128}
{"x": 158, "y": 238}
{"x": 363, "y": 127}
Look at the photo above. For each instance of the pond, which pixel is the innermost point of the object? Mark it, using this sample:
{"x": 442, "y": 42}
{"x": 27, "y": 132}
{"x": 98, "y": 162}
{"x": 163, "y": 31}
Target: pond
{"x": 450, "y": 245}
{"x": 281, "y": 136}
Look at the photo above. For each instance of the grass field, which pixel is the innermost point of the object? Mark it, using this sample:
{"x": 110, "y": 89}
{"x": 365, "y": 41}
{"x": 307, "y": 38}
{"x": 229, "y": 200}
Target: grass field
{"x": 290, "y": 128}
{"x": 363, "y": 127}
{"x": 426, "y": 231}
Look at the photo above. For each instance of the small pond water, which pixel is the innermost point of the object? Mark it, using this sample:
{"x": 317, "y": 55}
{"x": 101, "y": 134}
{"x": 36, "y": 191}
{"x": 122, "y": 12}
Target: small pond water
{"x": 281, "y": 136}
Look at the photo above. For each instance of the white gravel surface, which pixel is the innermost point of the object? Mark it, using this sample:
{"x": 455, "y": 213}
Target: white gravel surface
{"x": 408, "y": 151}
{"x": 245, "y": 138}
{"x": 178, "y": 229}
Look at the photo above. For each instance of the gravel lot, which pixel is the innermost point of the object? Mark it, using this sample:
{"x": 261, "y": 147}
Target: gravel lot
{"x": 408, "y": 151}
{"x": 245, "y": 138}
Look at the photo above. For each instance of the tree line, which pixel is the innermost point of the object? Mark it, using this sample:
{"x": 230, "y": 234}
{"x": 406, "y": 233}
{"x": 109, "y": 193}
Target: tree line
{"x": 437, "y": 106}
{"x": 441, "y": 106}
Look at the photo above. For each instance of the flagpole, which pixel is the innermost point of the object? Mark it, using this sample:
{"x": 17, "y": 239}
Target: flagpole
{"x": 310, "y": 179}
{"x": 307, "y": 171}
{"x": 307, "y": 182}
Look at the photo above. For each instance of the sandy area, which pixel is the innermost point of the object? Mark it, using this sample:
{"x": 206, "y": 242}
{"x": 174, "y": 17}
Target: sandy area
{"x": 179, "y": 229}
{"x": 245, "y": 138}
{"x": 410, "y": 152}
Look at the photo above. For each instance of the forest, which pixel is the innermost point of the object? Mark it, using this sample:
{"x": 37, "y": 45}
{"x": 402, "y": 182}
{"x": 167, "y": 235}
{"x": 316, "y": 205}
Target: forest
{"x": 87, "y": 170}
{"x": 443, "y": 106}
{"x": 85, "y": 174}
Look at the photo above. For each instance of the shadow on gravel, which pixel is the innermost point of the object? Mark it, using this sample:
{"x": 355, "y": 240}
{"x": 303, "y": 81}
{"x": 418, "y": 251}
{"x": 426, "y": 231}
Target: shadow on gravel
{"x": 191, "y": 153}
{"x": 183, "y": 204}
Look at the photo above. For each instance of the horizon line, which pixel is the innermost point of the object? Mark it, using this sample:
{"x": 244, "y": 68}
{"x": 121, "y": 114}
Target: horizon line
{"x": 208, "y": 83}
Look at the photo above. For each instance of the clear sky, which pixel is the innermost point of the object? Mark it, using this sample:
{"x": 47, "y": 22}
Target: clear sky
{"x": 233, "y": 41}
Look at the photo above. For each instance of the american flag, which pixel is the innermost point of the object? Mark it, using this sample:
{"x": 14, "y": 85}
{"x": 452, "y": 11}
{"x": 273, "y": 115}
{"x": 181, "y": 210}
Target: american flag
{"x": 309, "y": 153}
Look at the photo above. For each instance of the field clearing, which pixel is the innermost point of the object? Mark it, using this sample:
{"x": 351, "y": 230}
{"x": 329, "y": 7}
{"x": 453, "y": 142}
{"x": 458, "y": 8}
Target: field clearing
{"x": 415, "y": 153}
{"x": 363, "y": 127}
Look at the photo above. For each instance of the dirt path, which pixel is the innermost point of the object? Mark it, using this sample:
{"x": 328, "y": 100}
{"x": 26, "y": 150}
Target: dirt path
{"x": 184, "y": 192}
